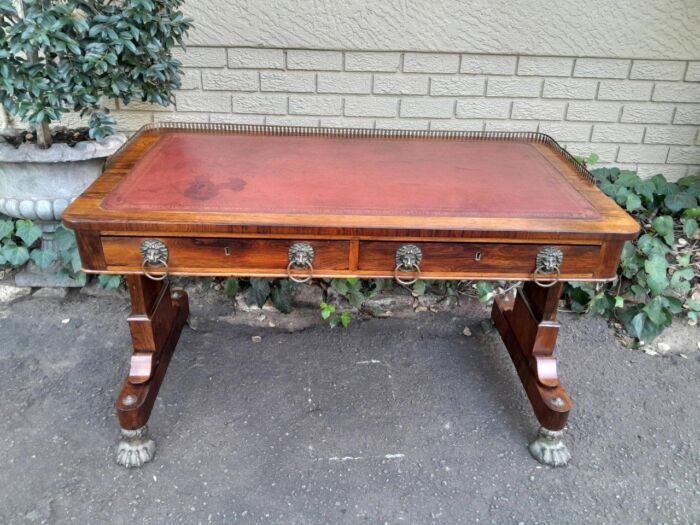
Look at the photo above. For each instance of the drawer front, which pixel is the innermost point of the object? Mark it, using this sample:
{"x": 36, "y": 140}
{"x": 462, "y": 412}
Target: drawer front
{"x": 212, "y": 255}
{"x": 442, "y": 258}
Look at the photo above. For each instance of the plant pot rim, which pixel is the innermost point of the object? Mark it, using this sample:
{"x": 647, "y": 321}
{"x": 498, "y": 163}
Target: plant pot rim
{"x": 61, "y": 152}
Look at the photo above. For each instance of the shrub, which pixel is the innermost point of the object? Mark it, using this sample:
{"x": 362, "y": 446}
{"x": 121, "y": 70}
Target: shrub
{"x": 57, "y": 57}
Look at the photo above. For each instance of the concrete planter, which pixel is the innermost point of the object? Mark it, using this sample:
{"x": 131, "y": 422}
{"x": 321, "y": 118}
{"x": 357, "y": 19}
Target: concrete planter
{"x": 39, "y": 184}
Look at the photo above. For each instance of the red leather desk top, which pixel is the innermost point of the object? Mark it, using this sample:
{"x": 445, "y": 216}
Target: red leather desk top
{"x": 203, "y": 172}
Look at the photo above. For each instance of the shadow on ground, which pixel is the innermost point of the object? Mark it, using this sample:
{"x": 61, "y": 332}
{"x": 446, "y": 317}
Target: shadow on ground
{"x": 390, "y": 421}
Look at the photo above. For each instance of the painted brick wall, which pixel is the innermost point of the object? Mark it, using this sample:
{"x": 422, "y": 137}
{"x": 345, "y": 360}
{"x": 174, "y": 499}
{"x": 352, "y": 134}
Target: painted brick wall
{"x": 640, "y": 114}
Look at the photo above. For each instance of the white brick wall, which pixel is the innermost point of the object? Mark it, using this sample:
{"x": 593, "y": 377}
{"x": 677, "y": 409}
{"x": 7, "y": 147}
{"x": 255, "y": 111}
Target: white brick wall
{"x": 344, "y": 83}
{"x": 296, "y": 82}
{"x": 401, "y": 84}
{"x": 489, "y": 64}
{"x": 360, "y": 61}
{"x": 640, "y": 114}
{"x": 371, "y": 107}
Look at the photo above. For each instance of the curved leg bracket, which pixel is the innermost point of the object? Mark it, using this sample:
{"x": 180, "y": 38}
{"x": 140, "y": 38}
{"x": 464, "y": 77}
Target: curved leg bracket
{"x": 135, "y": 448}
{"x": 549, "y": 449}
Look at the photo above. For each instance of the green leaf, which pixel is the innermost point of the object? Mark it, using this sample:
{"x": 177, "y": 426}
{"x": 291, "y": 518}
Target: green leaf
{"x": 690, "y": 226}
{"x": 340, "y": 286}
{"x": 7, "y": 228}
{"x": 109, "y": 282}
{"x": 674, "y": 304}
{"x": 683, "y": 259}
{"x": 65, "y": 240}
{"x": 663, "y": 187}
{"x": 634, "y": 202}
{"x": 656, "y": 268}
{"x": 680, "y": 280}
{"x": 258, "y": 292}
{"x": 638, "y": 291}
{"x": 579, "y": 296}
{"x": 352, "y": 290}
{"x": 621, "y": 195}
{"x": 602, "y": 174}
{"x": 692, "y": 213}
{"x": 14, "y": 254}
{"x": 680, "y": 201}
{"x": 628, "y": 179}
{"x": 345, "y": 319}
{"x": 663, "y": 225}
{"x": 327, "y": 310}
{"x": 231, "y": 286}
{"x": 690, "y": 181}
{"x": 608, "y": 188}
{"x": 81, "y": 278}
{"x": 43, "y": 258}
{"x": 638, "y": 324}
{"x": 602, "y": 304}
{"x": 631, "y": 261}
{"x": 619, "y": 301}
{"x": 486, "y": 290}
{"x": 657, "y": 313}
{"x": 646, "y": 189}
{"x": 282, "y": 295}
{"x": 27, "y": 231}
{"x": 652, "y": 245}
{"x": 419, "y": 287}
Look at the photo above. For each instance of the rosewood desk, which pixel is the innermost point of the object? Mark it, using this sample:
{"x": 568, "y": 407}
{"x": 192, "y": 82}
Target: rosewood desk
{"x": 238, "y": 200}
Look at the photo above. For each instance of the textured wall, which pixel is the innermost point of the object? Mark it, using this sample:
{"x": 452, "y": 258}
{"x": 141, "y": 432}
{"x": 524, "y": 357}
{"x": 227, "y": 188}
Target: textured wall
{"x": 641, "y": 114}
{"x": 601, "y": 28}
{"x": 620, "y": 78}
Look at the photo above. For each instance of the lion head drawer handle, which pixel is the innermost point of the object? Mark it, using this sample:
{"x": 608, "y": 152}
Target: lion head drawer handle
{"x": 155, "y": 254}
{"x": 548, "y": 265}
{"x": 301, "y": 255}
{"x": 408, "y": 258}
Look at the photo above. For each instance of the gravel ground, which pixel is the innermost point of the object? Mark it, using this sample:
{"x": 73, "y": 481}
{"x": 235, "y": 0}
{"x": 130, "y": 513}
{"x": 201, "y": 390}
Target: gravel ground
{"x": 389, "y": 421}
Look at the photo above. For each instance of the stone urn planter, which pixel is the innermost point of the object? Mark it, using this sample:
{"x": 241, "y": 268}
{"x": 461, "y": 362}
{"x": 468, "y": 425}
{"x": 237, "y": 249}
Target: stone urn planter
{"x": 38, "y": 184}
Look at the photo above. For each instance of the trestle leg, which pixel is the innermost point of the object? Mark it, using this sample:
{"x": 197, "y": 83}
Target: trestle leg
{"x": 158, "y": 314}
{"x": 527, "y": 323}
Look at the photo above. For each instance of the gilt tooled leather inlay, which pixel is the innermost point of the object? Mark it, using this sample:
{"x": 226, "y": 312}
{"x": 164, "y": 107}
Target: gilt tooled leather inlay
{"x": 238, "y": 173}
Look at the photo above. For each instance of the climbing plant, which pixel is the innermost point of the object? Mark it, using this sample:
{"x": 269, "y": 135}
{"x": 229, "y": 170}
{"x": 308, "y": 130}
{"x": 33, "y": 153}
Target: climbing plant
{"x": 659, "y": 274}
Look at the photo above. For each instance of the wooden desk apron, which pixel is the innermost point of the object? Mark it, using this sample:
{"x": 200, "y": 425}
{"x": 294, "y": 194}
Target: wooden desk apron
{"x": 238, "y": 200}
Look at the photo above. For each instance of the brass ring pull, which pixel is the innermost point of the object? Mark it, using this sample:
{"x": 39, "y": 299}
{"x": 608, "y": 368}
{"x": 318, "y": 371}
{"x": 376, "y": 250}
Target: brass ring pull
{"x": 145, "y": 265}
{"x": 548, "y": 283}
{"x": 408, "y": 282}
{"x": 306, "y": 264}
{"x": 155, "y": 254}
{"x": 548, "y": 264}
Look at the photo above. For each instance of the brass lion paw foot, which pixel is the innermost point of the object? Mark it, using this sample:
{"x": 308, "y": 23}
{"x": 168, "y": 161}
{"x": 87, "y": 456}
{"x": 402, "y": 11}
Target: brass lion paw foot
{"x": 548, "y": 448}
{"x": 135, "y": 448}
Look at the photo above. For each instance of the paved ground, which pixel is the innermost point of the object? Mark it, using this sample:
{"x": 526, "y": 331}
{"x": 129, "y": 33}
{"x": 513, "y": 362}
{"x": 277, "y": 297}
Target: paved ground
{"x": 391, "y": 421}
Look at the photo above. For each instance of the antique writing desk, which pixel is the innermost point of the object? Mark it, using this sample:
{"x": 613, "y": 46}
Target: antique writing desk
{"x": 235, "y": 200}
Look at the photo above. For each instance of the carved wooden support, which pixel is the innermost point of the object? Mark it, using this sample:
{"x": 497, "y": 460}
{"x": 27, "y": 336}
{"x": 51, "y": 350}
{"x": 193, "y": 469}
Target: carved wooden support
{"x": 149, "y": 323}
{"x": 158, "y": 314}
{"x": 527, "y": 324}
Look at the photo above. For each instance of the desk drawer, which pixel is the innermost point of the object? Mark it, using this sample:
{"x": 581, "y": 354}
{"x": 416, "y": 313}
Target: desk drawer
{"x": 446, "y": 258}
{"x": 207, "y": 255}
